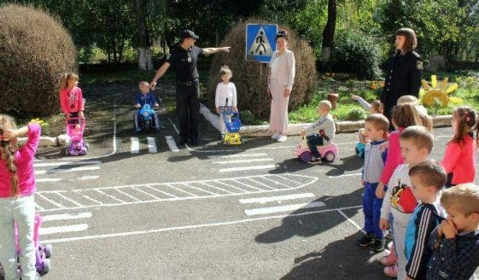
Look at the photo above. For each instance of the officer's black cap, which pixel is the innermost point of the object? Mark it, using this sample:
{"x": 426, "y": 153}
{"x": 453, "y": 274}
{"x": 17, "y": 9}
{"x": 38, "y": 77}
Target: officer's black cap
{"x": 188, "y": 34}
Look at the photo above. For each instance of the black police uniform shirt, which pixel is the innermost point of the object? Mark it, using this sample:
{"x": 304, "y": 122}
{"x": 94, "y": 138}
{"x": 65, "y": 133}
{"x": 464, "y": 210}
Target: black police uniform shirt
{"x": 403, "y": 77}
{"x": 184, "y": 63}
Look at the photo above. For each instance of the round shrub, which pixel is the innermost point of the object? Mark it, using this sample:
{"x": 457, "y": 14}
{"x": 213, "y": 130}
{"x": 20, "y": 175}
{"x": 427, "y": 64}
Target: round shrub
{"x": 34, "y": 50}
{"x": 250, "y": 78}
{"x": 356, "y": 114}
{"x": 358, "y": 54}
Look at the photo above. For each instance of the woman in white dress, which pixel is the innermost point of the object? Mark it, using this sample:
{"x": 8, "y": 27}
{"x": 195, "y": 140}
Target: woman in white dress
{"x": 280, "y": 83}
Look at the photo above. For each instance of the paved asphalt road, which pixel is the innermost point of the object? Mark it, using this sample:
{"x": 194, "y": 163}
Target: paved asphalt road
{"x": 207, "y": 212}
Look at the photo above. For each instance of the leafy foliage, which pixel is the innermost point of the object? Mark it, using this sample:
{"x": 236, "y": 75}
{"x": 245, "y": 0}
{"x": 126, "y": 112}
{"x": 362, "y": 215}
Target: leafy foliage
{"x": 34, "y": 50}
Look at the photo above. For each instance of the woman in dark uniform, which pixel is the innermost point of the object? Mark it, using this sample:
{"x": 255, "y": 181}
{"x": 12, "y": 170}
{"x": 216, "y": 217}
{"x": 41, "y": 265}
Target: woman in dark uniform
{"x": 403, "y": 72}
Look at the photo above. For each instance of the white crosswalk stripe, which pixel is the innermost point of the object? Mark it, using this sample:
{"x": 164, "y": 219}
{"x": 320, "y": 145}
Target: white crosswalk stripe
{"x": 65, "y": 220}
{"x": 243, "y": 162}
{"x": 48, "y": 201}
{"x": 136, "y": 143}
{"x": 55, "y": 171}
{"x": 282, "y": 207}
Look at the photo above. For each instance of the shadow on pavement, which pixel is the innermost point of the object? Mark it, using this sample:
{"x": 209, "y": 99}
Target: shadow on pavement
{"x": 350, "y": 163}
{"x": 341, "y": 259}
{"x": 310, "y": 225}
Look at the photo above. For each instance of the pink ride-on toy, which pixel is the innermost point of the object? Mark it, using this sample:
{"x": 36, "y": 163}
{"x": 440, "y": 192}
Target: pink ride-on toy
{"x": 75, "y": 129}
{"x": 42, "y": 253}
{"x": 328, "y": 153}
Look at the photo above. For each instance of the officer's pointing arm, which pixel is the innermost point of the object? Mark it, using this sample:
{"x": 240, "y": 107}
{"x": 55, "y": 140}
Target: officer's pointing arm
{"x": 208, "y": 51}
{"x": 159, "y": 73}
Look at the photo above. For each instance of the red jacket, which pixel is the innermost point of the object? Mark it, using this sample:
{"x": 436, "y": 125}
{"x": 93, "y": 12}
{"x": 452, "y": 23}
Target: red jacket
{"x": 460, "y": 160}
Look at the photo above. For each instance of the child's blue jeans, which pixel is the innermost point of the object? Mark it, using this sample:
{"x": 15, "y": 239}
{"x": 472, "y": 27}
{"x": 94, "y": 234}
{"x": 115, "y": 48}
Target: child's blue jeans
{"x": 22, "y": 211}
{"x": 313, "y": 141}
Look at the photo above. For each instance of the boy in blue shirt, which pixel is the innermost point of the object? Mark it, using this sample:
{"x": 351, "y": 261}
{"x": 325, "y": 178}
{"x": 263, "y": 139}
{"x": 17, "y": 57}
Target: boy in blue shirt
{"x": 375, "y": 130}
{"x": 427, "y": 179}
{"x": 142, "y": 98}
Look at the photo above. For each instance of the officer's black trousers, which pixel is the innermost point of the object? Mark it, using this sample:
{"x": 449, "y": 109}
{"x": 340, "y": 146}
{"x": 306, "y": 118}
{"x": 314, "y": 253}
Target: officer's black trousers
{"x": 188, "y": 110}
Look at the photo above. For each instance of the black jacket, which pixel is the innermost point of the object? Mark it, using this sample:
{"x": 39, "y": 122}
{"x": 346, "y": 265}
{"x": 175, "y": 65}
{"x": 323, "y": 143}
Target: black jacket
{"x": 403, "y": 77}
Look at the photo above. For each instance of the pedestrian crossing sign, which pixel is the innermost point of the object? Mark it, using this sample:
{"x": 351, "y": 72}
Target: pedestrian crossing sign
{"x": 260, "y": 42}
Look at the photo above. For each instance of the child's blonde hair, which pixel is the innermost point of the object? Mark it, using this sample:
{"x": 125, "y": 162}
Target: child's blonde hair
{"x": 408, "y": 99}
{"x": 375, "y": 105}
{"x": 466, "y": 120}
{"x": 143, "y": 83}
{"x": 405, "y": 115}
{"x": 225, "y": 70}
{"x": 65, "y": 78}
{"x": 325, "y": 104}
{"x": 419, "y": 136}
{"x": 465, "y": 197}
{"x": 7, "y": 154}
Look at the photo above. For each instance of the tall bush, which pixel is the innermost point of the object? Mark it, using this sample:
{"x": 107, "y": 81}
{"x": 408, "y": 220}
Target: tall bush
{"x": 357, "y": 53}
{"x": 250, "y": 77}
{"x": 34, "y": 50}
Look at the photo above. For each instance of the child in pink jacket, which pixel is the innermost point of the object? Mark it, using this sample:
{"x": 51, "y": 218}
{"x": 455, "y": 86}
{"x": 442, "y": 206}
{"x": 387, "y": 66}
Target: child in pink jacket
{"x": 17, "y": 186}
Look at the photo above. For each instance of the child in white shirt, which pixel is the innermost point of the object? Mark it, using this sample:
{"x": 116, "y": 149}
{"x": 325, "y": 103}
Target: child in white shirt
{"x": 225, "y": 96}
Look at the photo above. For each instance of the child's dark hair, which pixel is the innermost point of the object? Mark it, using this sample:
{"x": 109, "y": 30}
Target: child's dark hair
{"x": 429, "y": 173}
{"x": 420, "y": 137}
{"x": 7, "y": 154}
{"x": 379, "y": 122}
{"x": 282, "y": 34}
{"x": 411, "y": 41}
{"x": 466, "y": 120}
{"x": 405, "y": 115}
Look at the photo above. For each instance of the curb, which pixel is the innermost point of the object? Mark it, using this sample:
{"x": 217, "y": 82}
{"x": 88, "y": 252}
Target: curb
{"x": 293, "y": 129}
{"x": 248, "y": 130}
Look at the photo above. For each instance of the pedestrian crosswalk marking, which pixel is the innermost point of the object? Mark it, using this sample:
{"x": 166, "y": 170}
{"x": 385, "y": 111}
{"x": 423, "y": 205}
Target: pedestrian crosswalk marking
{"x": 135, "y": 145}
{"x": 48, "y": 201}
{"x": 284, "y": 208}
{"x": 152, "y": 149}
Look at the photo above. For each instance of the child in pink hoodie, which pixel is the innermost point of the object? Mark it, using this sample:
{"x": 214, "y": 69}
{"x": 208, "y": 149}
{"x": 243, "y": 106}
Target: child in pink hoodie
{"x": 17, "y": 186}
{"x": 71, "y": 99}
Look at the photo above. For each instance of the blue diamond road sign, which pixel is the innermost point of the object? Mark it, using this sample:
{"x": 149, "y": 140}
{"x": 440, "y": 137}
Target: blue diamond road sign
{"x": 260, "y": 42}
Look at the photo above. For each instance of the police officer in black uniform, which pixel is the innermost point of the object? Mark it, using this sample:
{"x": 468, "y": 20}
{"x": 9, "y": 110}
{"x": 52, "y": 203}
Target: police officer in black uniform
{"x": 183, "y": 59}
{"x": 403, "y": 72}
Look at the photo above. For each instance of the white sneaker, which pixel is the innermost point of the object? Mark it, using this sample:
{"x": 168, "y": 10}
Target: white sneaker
{"x": 282, "y": 138}
{"x": 276, "y": 136}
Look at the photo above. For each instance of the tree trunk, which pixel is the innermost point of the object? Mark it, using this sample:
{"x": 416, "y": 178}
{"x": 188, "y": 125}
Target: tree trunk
{"x": 328, "y": 34}
{"x": 145, "y": 61}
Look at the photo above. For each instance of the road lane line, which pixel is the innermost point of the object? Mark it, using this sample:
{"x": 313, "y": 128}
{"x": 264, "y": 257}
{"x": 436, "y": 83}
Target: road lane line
{"x": 135, "y": 145}
{"x": 231, "y": 186}
{"x": 351, "y": 221}
{"x": 201, "y": 190}
{"x": 110, "y": 196}
{"x": 215, "y": 187}
{"x": 82, "y": 162}
{"x": 66, "y": 170}
{"x": 47, "y": 180}
{"x": 345, "y": 175}
{"x": 91, "y": 199}
{"x": 125, "y": 194}
{"x": 39, "y": 207}
{"x": 284, "y": 208}
{"x": 180, "y": 190}
{"x": 68, "y": 199}
{"x": 247, "y": 168}
{"x": 160, "y": 191}
{"x": 152, "y": 149}
{"x": 239, "y": 156}
{"x": 275, "y": 198}
{"x": 284, "y": 178}
{"x": 258, "y": 182}
{"x": 243, "y": 161}
{"x": 149, "y": 194}
{"x": 277, "y": 183}
{"x": 197, "y": 226}
{"x": 63, "y": 229}
{"x": 84, "y": 178}
{"x": 251, "y": 187}
{"x": 60, "y": 217}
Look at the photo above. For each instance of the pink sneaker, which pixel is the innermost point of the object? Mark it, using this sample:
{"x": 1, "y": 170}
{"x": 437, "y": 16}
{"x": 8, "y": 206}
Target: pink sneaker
{"x": 391, "y": 271}
{"x": 389, "y": 259}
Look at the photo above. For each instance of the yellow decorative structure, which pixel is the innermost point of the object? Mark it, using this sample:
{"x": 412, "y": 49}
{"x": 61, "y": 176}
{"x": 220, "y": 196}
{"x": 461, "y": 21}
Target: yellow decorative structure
{"x": 435, "y": 92}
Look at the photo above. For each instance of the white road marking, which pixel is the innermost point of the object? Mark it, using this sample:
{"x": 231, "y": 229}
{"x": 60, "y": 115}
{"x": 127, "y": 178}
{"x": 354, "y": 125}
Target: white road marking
{"x": 152, "y": 149}
{"x": 345, "y": 175}
{"x": 275, "y": 198}
{"x": 246, "y": 168}
{"x": 171, "y": 143}
{"x": 82, "y": 162}
{"x": 63, "y": 229}
{"x": 351, "y": 221}
{"x": 66, "y": 170}
{"x": 49, "y": 201}
{"x": 60, "y": 217}
{"x": 197, "y": 226}
{"x": 135, "y": 145}
{"x": 243, "y": 161}
{"x": 84, "y": 178}
{"x": 239, "y": 156}
{"x": 46, "y": 180}
{"x": 284, "y": 208}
